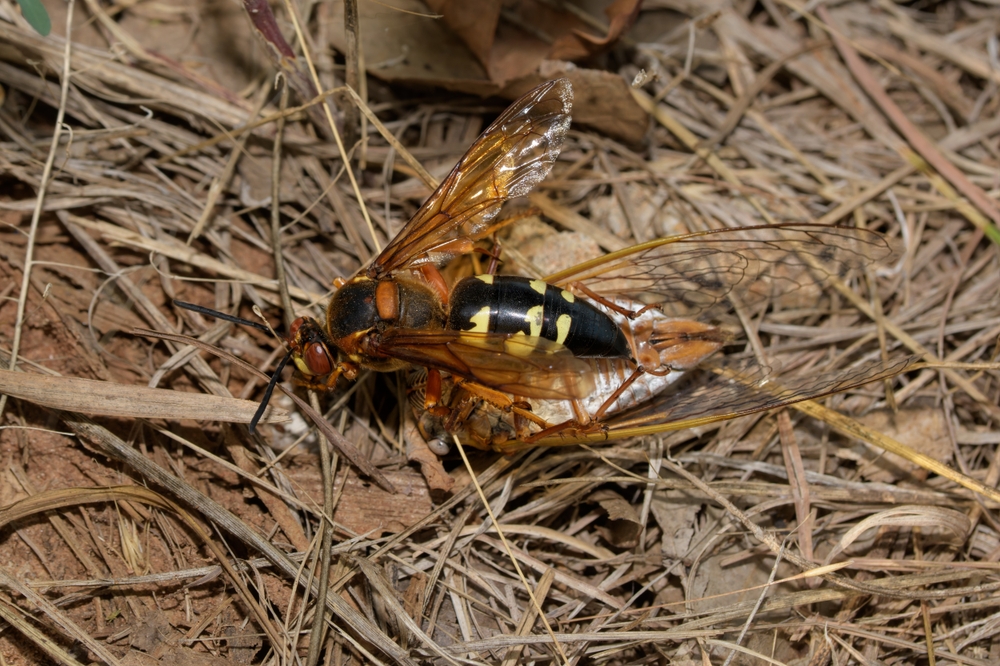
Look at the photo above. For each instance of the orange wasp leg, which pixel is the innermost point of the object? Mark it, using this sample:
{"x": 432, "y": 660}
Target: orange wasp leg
{"x": 330, "y": 383}
{"x": 432, "y": 394}
{"x": 625, "y": 312}
{"x": 494, "y": 256}
{"x": 432, "y": 276}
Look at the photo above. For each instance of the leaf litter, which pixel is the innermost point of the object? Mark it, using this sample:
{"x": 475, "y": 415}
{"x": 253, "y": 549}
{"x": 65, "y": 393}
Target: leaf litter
{"x": 140, "y": 529}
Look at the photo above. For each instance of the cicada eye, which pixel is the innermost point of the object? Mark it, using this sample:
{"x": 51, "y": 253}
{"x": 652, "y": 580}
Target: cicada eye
{"x": 317, "y": 359}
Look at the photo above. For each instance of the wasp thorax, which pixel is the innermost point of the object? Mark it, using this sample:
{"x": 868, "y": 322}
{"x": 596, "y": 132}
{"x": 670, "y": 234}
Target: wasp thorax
{"x": 363, "y": 309}
{"x": 352, "y": 310}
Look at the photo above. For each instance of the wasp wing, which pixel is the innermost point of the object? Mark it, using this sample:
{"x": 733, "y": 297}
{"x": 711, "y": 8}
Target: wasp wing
{"x": 508, "y": 160}
{"x": 522, "y": 365}
{"x": 694, "y": 273}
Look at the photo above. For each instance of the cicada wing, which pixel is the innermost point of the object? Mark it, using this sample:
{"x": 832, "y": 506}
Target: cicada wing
{"x": 692, "y": 274}
{"x": 524, "y": 366}
{"x": 741, "y": 388}
{"x": 508, "y": 160}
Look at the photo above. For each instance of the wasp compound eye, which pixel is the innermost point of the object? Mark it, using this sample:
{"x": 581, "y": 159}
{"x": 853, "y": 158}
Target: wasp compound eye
{"x": 317, "y": 359}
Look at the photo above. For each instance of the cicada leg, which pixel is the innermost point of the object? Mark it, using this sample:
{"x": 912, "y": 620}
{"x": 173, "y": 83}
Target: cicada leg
{"x": 432, "y": 394}
{"x": 613, "y": 398}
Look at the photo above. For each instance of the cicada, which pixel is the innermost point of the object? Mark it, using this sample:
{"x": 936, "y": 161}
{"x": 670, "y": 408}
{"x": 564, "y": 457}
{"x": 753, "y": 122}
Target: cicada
{"x": 511, "y": 359}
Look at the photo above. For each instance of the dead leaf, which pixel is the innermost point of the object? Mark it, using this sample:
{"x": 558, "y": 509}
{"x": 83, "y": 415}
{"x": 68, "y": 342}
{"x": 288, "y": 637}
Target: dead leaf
{"x": 601, "y": 100}
{"x": 676, "y": 512}
{"x": 404, "y": 44}
{"x": 510, "y": 39}
{"x": 438, "y": 479}
{"x": 623, "y": 526}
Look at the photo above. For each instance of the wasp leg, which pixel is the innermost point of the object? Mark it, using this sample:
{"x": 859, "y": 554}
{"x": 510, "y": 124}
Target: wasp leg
{"x": 524, "y": 418}
{"x": 432, "y": 276}
{"x": 614, "y": 307}
{"x": 494, "y": 256}
{"x": 432, "y": 394}
{"x": 328, "y": 384}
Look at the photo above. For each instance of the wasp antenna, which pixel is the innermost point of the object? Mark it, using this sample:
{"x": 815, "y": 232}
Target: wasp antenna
{"x": 267, "y": 393}
{"x": 222, "y": 315}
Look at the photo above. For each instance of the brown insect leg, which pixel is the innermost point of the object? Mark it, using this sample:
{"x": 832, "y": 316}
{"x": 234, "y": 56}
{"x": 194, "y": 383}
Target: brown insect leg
{"x": 432, "y": 276}
{"x": 613, "y": 398}
{"x": 597, "y": 298}
{"x": 328, "y": 384}
{"x": 494, "y": 256}
{"x": 432, "y": 394}
{"x": 571, "y": 426}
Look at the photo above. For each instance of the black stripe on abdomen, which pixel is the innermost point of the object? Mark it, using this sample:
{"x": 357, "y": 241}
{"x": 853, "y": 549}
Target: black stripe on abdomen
{"x": 512, "y": 305}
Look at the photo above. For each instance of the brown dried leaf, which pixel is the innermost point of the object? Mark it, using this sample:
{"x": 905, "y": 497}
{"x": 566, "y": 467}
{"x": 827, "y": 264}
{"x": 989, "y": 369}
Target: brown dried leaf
{"x": 623, "y": 527}
{"x": 601, "y": 100}
{"x": 403, "y": 44}
{"x": 417, "y": 451}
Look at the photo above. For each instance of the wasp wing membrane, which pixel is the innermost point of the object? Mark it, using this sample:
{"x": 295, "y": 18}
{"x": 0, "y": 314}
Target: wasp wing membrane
{"x": 691, "y": 274}
{"x": 514, "y": 154}
{"x": 525, "y": 366}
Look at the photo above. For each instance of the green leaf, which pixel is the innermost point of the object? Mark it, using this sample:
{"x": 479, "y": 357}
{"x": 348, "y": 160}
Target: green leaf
{"x": 36, "y": 16}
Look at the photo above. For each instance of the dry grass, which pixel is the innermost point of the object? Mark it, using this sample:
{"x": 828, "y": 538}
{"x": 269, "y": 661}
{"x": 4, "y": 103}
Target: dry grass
{"x": 143, "y": 535}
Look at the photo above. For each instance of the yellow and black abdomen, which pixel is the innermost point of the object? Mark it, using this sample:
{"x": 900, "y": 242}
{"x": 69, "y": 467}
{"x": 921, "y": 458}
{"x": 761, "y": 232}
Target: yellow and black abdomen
{"x": 513, "y": 305}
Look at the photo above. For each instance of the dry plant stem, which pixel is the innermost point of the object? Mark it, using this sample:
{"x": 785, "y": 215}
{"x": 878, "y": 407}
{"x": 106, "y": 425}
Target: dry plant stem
{"x": 29, "y": 251}
{"x": 279, "y": 262}
{"x": 352, "y": 69}
{"x": 15, "y": 617}
{"x": 186, "y": 254}
{"x": 101, "y": 398}
{"x": 760, "y": 600}
{"x": 60, "y": 619}
{"x": 347, "y": 449}
{"x": 202, "y": 146}
{"x": 430, "y": 181}
{"x": 275, "y": 500}
{"x": 796, "y": 482}
{"x": 923, "y": 146}
{"x": 770, "y": 542}
{"x": 513, "y": 656}
{"x": 524, "y": 581}
{"x": 690, "y": 140}
{"x": 333, "y": 127}
{"x": 852, "y": 428}
{"x": 317, "y": 635}
{"x": 111, "y": 445}
{"x": 73, "y": 496}
{"x": 374, "y": 575}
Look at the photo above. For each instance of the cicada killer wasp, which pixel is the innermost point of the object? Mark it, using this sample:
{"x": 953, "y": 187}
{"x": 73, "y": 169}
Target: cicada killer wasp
{"x": 549, "y": 361}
